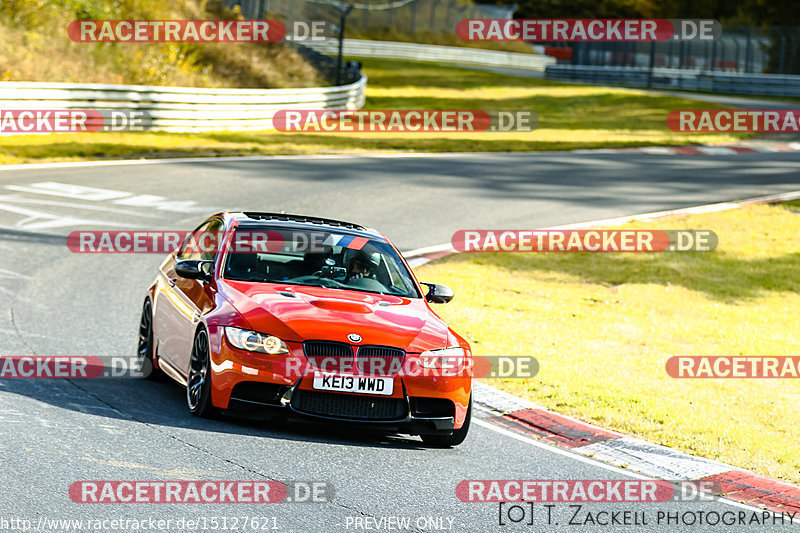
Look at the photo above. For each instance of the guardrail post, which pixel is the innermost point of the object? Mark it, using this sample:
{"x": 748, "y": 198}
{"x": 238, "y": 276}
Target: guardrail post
{"x": 652, "y": 64}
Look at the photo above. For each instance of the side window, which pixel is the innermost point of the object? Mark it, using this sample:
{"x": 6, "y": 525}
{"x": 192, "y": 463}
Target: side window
{"x": 200, "y": 246}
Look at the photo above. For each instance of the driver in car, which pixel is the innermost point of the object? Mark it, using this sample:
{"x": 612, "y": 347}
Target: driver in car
{"x": 362, "y": 265}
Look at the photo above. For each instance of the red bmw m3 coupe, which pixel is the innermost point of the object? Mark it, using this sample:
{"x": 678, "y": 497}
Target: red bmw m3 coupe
{"x": 311, "y": 317}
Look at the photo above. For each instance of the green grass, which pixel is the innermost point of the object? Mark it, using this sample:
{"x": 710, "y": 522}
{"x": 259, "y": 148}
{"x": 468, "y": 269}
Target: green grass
{"x": 794, "y": 99}
{"x": 570, "y": 117}
{"x": 427, "y": 37}
{"x": 603, "y": 325}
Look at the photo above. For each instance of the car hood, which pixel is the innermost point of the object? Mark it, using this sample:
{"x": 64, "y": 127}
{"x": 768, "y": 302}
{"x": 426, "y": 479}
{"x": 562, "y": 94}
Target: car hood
{"x": 298, "y": 313}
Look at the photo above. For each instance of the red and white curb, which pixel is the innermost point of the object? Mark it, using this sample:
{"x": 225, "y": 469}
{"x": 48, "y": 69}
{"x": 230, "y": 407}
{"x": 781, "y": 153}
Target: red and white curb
{"x": 420, "y": 256}
{"x": 633, "y": 454}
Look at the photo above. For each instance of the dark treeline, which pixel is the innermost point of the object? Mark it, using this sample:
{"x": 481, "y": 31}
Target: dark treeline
{"x": 743, "y": 12}
{"x": 784, "y": 49}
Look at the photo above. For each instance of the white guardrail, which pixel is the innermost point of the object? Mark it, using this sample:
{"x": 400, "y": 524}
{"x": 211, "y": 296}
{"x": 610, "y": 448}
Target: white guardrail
{"x": 195, "y": 109}
{"x": 430, "y": 52}
{"x": 183, "y": 108}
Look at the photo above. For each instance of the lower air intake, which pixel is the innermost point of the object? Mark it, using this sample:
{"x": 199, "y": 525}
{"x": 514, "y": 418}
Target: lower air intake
{"x": 349, "y": 406}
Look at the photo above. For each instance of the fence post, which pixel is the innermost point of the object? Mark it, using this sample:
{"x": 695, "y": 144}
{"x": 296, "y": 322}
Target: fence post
{"x": 747, "y": 65}
{"x": 413, "y": 17}
{"x": 652, "y": 64}
{"x": 461, "y": 16}
{"x": 577, "y": 53}
{"x": 669, "y": 54}
{"x": 447, "y": 15}
{"x": 433, "y": 15}
{"x": 783, "y": 49}
{"x": 365, "y": 16}
{"x": 342, "y": 21}
{"x": 713, "y": 55}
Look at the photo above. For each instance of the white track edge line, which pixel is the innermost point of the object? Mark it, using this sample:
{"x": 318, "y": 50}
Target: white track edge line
{"x": 593, "y": 462}
{"x": 700, "y": 209}
{"x": 77, "y": 164}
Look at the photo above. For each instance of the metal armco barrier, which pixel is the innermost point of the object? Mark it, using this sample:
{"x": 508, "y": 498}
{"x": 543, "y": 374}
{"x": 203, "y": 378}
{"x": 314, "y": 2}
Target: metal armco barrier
{"x": 183, "y": 108}
{"x": 689, "y": 80}
{"x": 431, "y": 52}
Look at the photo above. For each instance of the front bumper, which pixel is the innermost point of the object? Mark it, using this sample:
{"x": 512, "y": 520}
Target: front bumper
{"x": 256, "y": 385}
{"x": 396, "y": 415}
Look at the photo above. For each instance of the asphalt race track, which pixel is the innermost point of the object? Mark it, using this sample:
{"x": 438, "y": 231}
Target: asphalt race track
{"x": 55, "y": 302}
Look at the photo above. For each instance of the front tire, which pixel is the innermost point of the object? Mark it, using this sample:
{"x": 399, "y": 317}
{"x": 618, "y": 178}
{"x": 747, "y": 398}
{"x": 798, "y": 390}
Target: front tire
{"x": 198, "y": 386}
{"x": 451, "y": 439}
{"x": 144, "y": 350}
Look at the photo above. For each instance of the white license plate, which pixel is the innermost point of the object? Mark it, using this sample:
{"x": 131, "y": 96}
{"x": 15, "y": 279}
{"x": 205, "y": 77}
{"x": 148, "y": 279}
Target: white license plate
{"x": 347, "y": 383}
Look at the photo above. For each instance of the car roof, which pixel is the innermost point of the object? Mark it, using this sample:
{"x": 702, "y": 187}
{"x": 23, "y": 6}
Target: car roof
{"x": 286, "y": 220}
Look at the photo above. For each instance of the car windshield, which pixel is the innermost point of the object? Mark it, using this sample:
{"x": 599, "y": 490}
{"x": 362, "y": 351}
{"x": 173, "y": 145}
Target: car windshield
{"x": 318, "y": 259}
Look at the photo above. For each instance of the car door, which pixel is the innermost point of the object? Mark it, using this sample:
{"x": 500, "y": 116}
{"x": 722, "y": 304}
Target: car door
{"x": 183, "y": 301}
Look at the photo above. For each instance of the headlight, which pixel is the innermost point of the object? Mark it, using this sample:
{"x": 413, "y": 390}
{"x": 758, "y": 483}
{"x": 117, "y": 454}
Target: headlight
{"x": 448, "y": 358}
{"x": 253, "y": 341}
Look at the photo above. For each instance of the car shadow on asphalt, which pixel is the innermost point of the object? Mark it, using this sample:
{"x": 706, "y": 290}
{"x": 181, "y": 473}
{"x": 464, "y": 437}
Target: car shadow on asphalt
{"x": 164, "y": 404}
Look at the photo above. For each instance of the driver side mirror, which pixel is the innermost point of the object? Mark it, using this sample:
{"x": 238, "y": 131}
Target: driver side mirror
{"x": 438, "y": 294}
{"x": 195, "y": 269}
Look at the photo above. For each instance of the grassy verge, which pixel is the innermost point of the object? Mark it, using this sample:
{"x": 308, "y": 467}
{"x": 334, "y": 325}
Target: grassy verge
{"x": 571, "y": 117}
{"x": 603, "y": 326}
{"x": 35, "y": 47}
